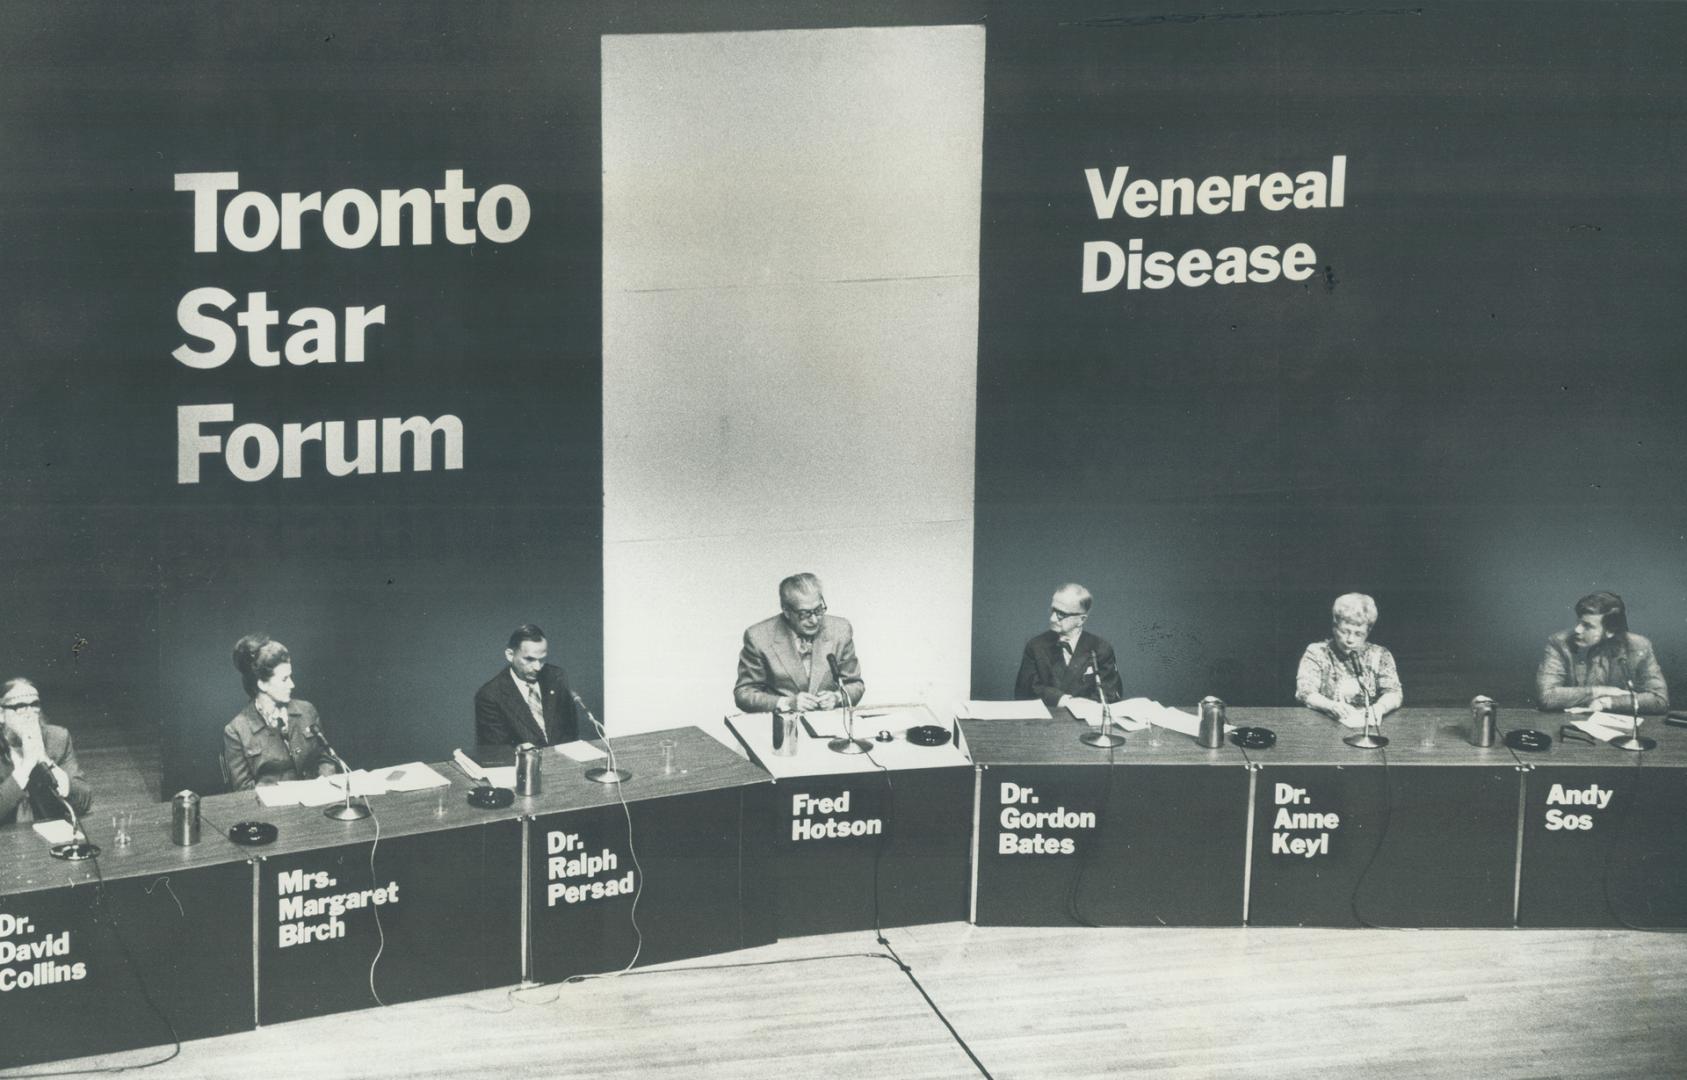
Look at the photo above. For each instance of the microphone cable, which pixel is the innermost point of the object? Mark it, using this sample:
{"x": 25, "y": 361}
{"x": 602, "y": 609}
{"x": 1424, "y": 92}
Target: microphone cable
{"x": 1617, "y": 831}
{"x": 884, "y": 942}
{"x": 100, "y": 906}
{"x": 632, "y": 850}
{"x": 1074, "y": 910}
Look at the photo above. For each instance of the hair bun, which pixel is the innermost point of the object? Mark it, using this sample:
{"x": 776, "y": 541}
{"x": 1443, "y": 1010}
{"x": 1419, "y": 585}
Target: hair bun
{"x": 246, "y": 652}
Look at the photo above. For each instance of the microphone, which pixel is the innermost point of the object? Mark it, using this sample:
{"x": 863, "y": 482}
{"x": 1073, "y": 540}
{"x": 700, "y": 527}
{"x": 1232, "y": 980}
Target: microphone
{"x": 347, "y": 812}
{"x": 581, "y": 703}
{"x": 837, "y": 676}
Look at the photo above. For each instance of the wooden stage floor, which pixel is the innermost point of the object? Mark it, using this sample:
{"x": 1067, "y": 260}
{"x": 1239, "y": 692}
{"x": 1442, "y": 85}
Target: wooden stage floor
{"x": 1056, "y": 1003}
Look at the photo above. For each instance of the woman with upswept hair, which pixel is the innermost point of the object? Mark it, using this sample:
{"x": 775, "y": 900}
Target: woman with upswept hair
{"x": 271, "y": 739}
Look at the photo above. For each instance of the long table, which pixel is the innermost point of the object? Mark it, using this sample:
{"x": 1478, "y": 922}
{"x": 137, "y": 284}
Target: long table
{"x": 432, "y": 896}
{"x": 1429, "y": 831}
{"x": 857, "y": 841}
{"x": 427, "y": 896}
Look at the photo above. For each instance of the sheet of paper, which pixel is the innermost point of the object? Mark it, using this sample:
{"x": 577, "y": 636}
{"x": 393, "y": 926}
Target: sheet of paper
{"x": 1605, "y": 726}
{"x": 55, "y": 831}
{"x": 1033, "y": 709}
{"x": 286, "y": 793}
{"x": 413, "y": 776}
{"x": 578, "y": 750}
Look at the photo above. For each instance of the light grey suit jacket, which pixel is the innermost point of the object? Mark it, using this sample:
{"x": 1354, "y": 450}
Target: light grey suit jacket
{"x": 770, "y": 668}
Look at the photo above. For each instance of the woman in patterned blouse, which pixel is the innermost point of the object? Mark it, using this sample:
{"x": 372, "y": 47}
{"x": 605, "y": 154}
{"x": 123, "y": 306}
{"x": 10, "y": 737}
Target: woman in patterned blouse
{"x": 1343, "y": 675}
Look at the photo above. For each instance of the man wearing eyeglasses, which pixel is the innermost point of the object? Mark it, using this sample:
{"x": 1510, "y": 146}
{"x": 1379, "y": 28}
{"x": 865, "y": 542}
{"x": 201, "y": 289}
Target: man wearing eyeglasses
{"x": 1065, "y": 665}
{"x": 35, "y": 756}
{"x": 784, "y": 667}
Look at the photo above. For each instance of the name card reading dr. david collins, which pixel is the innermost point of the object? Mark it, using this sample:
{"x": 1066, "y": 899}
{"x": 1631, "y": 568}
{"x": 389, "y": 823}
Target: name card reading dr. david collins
{"x": 32, "y": 957}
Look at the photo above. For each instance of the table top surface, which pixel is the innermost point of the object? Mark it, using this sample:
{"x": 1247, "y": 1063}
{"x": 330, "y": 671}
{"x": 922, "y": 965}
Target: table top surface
{"x": 1417, "y": 737}
{"x": 700, "y": 763}
{"x": 814, "y": 758}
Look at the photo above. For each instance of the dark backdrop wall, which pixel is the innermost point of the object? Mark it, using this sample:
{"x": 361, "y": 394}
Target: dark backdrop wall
{"x": 1472, "y": 410}
{"x": 394, "y": 591}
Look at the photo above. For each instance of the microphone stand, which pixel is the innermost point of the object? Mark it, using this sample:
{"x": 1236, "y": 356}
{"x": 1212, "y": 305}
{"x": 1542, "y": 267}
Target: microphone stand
{"x": 1105, "y": 738}
{"x": 600, "y": 774}
{"x": 1366, "y": 739}
{"x": 348, "y": 811}
{"x": 848, "y": 743}
{"x": 77, "y": 849}
{"x": 1633, "y": 741}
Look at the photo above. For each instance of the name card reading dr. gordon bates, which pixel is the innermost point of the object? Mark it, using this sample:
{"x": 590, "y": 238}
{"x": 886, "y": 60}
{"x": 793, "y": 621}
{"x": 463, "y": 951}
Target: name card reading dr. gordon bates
{"x": 575, "y": 876}
{"x": 1060, "y": 819}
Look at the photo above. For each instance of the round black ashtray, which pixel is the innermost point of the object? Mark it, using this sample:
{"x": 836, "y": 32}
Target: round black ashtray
{"x": 491, "y": 798}
{"x": 928, "y": 735}
{"x": 1528, "y": 740}
{"x": 1254, "y": 738}
{"x": 253, "y": 833}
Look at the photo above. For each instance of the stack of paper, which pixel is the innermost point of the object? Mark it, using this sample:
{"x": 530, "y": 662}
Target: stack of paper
{"x": 1002, "y": 710}
{"x": 1607, "y": 726}
{"x": 331, "y": 789}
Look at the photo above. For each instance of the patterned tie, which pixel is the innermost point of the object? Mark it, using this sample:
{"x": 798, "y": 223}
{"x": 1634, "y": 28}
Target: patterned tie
{"x": 536, "y": 705}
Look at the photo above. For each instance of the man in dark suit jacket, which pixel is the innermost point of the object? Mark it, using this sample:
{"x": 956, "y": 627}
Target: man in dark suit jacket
{"x": 782, "y": 666}
{"x": 1065, "y": 664}
{"x": 32, "y": 754}
{"x": 529, "y": 700}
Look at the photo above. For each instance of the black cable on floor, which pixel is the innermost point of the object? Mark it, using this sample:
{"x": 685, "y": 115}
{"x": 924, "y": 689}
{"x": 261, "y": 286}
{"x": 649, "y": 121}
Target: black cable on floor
{"x": 100, "y": 906}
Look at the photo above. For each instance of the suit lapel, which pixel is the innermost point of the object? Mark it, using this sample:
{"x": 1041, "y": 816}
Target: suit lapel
{"x": 785, "y": 653}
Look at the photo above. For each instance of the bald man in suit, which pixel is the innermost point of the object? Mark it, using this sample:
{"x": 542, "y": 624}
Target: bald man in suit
{"x": 783, "y": 665}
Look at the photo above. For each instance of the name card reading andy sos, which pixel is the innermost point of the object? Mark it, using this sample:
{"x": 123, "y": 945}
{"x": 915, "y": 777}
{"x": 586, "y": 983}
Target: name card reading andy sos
{"x": 1589, "y": 801}
{"x": 815, "y": 818}
{"x": 31, "y": 957}
{"x": 574, "y": 876}
{"x": 309, "y": 911}
{"x": 1300, "y": 832}
{"x": 1013, "y": 840}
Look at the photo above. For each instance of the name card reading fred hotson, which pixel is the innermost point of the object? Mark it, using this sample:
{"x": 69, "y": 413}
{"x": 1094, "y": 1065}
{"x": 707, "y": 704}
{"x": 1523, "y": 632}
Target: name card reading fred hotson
{"x": 819, "y": 819}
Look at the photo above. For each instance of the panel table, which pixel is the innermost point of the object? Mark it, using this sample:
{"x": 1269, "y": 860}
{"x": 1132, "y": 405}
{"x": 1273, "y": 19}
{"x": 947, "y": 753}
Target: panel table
{"x": 1421, "y": 833}
{"x": 1141, "y": 835}
{"x": 1604, "y": 830}
{"x": 84, "y": 946}
{"x": 419, "y": 900}
{"x": 858, "y": 841}
{"x": 680, "y": 835}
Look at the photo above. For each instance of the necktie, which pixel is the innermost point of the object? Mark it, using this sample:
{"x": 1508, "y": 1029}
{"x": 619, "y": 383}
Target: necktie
{"x": 536, "y": 705}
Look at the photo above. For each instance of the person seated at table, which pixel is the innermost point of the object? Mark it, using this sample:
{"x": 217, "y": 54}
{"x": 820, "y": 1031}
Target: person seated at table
{"x": 38, "y": 766}
{"x": 1340, "y": 676}
{"x": 1596, "y": 662}
{"x": 783, "y": 665}
{"x": 1066, "y": 666}
{"x": 270, "y": 739}
{"x": 528, "y": 701}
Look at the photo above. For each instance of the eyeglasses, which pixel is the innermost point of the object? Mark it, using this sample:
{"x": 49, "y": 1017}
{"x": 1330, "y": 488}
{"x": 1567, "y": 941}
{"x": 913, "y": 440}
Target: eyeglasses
{"x": 807, "y": 613}
{"x": 22, "y": 706}
{"x": 1062, "y": 616}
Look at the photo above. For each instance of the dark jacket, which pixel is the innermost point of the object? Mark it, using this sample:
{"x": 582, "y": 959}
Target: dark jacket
{"x": 1044, "y": 672}
{"x": 502, "y": 718}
